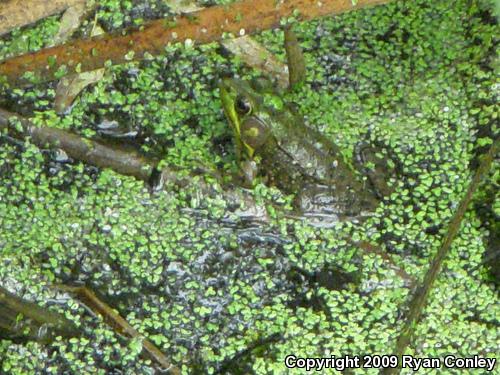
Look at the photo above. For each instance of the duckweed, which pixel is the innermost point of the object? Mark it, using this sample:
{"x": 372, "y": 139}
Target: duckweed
{"x": 215, "y": 291}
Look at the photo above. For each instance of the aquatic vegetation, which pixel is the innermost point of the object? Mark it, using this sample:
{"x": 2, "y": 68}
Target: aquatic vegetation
{"x": 204, "y": 284}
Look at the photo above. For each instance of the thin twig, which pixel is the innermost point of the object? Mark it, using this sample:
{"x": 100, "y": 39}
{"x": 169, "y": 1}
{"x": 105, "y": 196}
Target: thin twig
{"x": 111, "y": 317}
{"x": 420, "y": 298}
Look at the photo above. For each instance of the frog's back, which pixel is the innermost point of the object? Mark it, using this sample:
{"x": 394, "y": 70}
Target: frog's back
{"x": 290, "y": 155}
{"x": 314, "y": 167}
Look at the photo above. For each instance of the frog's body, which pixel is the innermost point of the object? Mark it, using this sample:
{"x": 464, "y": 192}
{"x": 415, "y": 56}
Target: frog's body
{"x": 271, "y": 137}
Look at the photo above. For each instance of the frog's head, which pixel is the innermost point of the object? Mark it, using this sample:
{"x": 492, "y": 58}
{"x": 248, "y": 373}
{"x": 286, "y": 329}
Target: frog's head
{"x": 243, "y": 103}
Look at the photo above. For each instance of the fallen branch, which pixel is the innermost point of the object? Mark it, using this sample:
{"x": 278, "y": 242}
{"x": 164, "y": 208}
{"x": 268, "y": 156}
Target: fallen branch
{"x": 78, "y": 148}
{"x": 246, "y": 48}
{"x": 112, "y": 318}
{"x": 22, "y": 320}
{"x": 16, "y": 13}
{"x": 419, "y": 299}
{"x": 244, "y": 17}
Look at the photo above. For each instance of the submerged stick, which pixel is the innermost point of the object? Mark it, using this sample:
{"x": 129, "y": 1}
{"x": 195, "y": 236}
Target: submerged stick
{"x": 77, "y": 147}
{"x": 123, "y": 162}
{"x": 119, "y": 324}
{"x": 22, "y": 320}
{"x": 295, "y": 59}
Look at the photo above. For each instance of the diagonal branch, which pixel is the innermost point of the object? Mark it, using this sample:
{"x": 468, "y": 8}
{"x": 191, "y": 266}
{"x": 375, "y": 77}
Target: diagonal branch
{"x": 78, "y": 148}
{"x": 120, "y": 325}
{"x": 22, "y": 320}
{"x": 243, "y": 17}
{"x": 419, "y": 300}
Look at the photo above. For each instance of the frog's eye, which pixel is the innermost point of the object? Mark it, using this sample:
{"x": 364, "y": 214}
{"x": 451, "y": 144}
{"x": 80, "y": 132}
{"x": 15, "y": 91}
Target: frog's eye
{"x": 243, "y": 105}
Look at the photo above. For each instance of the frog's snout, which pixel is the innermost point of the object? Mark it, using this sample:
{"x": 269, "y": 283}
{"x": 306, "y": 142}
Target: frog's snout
{"x": 220, "y": 84}
{"x": 225, "y": 84}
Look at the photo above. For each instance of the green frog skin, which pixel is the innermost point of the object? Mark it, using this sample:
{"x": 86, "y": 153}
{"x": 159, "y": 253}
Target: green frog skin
{"x": 272, "y": 141}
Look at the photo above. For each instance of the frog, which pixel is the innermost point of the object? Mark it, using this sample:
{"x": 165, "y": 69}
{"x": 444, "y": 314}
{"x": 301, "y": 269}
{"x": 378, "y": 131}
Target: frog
{"x": 273, "y": 142}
